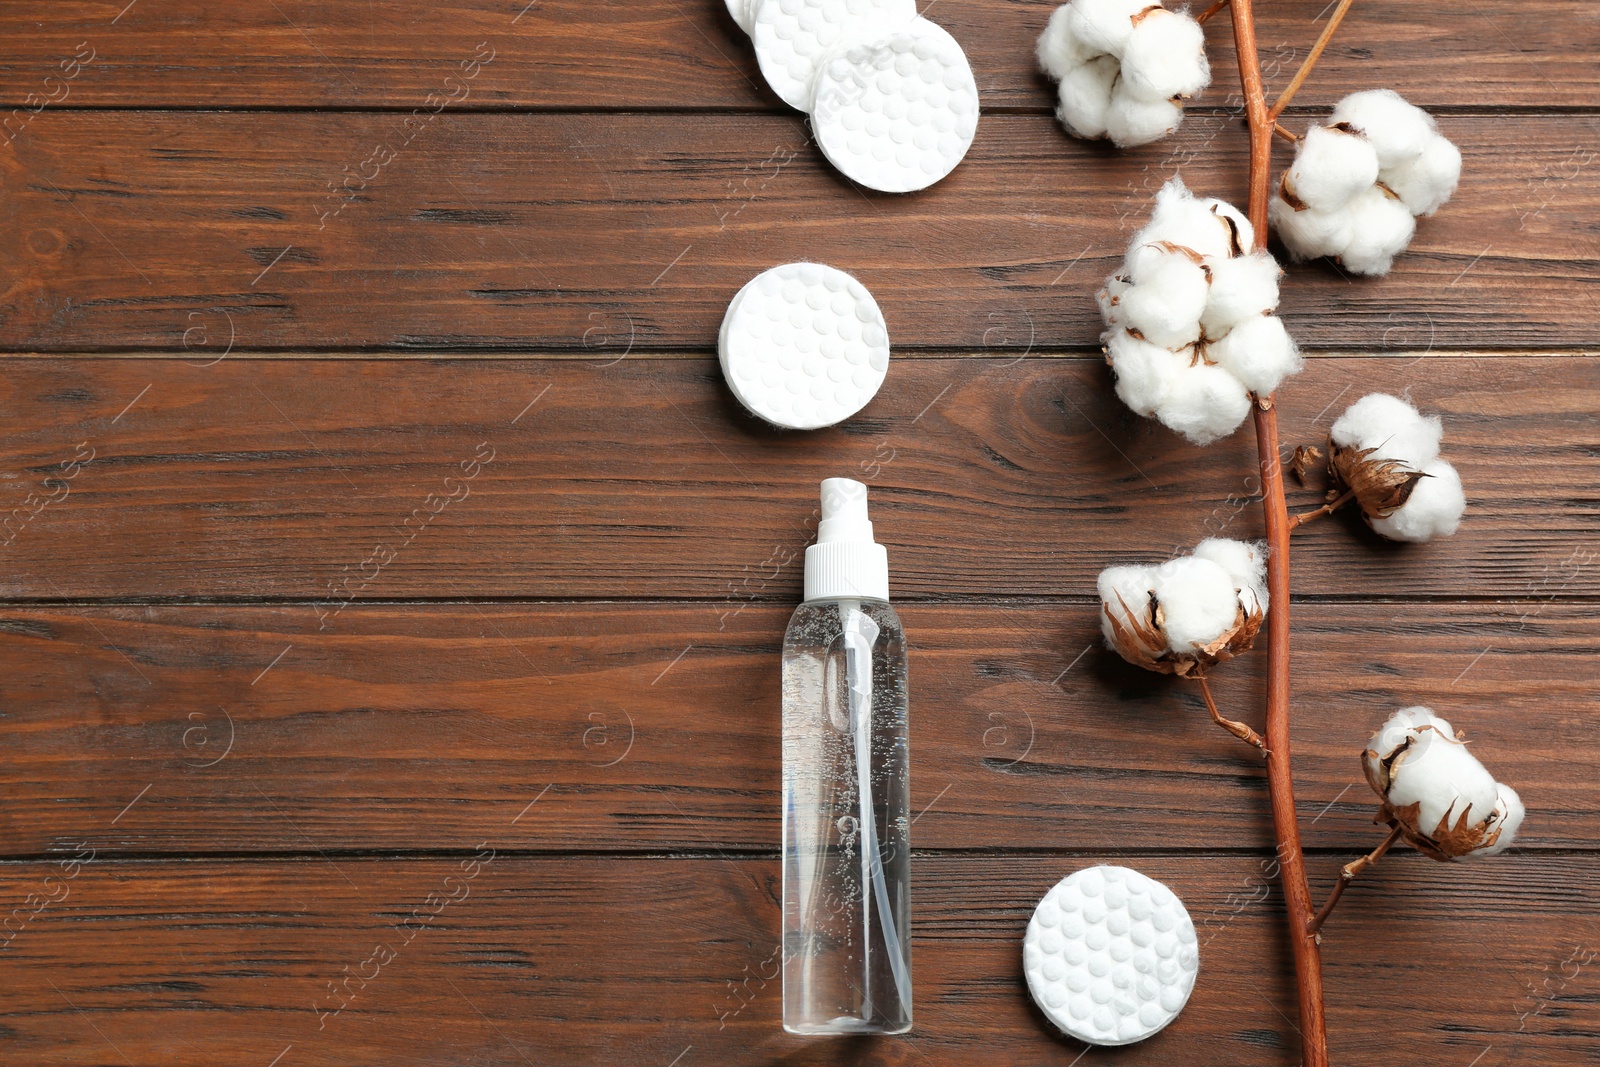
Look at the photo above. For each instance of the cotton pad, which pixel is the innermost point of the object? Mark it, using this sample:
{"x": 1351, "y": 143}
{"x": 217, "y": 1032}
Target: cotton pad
{"x": 897, "y": 113}
{"x": 793, "y": 36}
{"x": 1110, "y": 955}
{"x": 804, "y": 345}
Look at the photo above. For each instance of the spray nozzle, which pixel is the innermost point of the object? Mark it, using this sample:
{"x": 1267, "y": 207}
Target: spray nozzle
{"x": 844, "y": 511}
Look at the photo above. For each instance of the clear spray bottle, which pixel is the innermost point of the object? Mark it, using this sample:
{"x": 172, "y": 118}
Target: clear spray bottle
{"x": 846, "y": 787}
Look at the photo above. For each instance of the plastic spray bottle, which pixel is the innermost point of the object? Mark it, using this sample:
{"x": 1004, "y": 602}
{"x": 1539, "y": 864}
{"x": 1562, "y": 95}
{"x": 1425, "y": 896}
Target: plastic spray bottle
{"x": 846, "y": 787}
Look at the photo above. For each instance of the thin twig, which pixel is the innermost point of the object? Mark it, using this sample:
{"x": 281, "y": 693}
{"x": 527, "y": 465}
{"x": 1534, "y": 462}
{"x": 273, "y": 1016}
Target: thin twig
{"x": 1287, "y": 134}
{"x": 1233, "y": 726}
{"x": 1347, "y": 874}
{"x": 1212, "y": 10}
{"x": 1307, "y": 953}
{"x": 1304, "y": 72}
{"x": 1296, "y": 521}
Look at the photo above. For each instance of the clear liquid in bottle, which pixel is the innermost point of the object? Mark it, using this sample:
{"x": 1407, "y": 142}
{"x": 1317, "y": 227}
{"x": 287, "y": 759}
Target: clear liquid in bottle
{"x": 846, "y": 816}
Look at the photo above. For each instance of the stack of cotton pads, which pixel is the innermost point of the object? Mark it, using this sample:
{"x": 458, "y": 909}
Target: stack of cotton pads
{"x": 804, "y": 346}
{"x": 1110, "y": 955}
{"x": 892, "y": 99}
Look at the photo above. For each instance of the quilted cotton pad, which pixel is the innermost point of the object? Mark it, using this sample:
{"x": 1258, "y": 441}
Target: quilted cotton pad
{"x": 793, "y": 36}
{"x": 1110, "y": 955}
{"x": 804, "y": 345}
{"x": 897, "y": 114}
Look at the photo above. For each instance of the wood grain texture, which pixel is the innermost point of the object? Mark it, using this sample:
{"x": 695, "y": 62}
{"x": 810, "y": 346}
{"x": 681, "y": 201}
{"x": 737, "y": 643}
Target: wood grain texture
{"x": 656, "y": 726}
{"x": 624, "y": 233}
{"x": 560, "y": 961}
{"x": 688, "y": 53}
{"x": 332, "y": 480}
{"x": 370, "y": 502}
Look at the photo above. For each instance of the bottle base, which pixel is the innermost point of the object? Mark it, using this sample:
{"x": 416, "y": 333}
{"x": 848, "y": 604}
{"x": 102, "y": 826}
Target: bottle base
{"x": 846, "y": 1026}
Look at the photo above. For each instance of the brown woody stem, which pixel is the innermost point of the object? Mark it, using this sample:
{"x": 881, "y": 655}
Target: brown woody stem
{"x": 1287, "y": 134}
{"x": 1233, "y": 726}
{"x": 1297, "y": 521}
{"x": 1317, "y": 49}
{"x": 1306, "y": 951}
{"x": 1212, "y": 10}
{"x": 1347, "y": 874}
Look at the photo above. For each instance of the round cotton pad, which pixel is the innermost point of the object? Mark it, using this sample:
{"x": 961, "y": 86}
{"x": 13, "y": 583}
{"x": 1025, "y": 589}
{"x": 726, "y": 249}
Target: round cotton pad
{"x": 1110, "y": 955}
{"x": 804, "y": 345}
{"x": 792, "y": 36}
{"x": 897, "y": 114}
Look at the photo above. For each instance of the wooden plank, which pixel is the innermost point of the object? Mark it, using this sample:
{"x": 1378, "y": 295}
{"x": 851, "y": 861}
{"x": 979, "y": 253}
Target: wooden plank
{"x": 623, "y": 232}
{"x": 662, "y": 53}
{"x": 656, "y": 727}
{"x": 333, "y": 480}
{"x": 566, "y": 960}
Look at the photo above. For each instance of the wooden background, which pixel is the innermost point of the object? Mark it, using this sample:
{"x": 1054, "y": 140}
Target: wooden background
{"x": 287, "y": 781}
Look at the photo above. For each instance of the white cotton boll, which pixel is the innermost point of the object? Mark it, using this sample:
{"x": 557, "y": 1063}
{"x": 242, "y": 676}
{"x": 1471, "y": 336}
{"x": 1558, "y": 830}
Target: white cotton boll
{"x": 1439, "y": 773}
{"x": 1392, "y": 428}
{"x": 1308, "y": 234}
{"x": 1508, "y": 814}
{"x": 1433, "y": 509}
{"x": 1145, "y": 373}
{"x": 1203, "y": 403}
{"x": 1103, "y": 26}
{"x": 1059, "y": 50}
{"x": 1084, "y": 97}
{"x": 1246, "y": 564}
{"x": 1125, "y": 593}
{"x": 1425, "y": 183}
{"x": 1198, "y": 602}
{"x": 1165, "y": 56}
{"x": 1330, "y": 167}
{"x": 1166, "y": 299}
{"x": 1380, "y": 229}
{"x": 1397, "y": 130}
{"x": 1242, "y": 288}
{"x": 1131, "y": 122}
{"x": 1259, "y": 352}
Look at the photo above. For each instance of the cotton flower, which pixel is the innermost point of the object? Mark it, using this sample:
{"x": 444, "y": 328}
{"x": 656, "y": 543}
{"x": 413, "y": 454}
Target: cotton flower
{"x": 1184, "y": 615}
{"x": 1442, "y": 799}
{"x": 1190, "y": 330}
{"x": 1125, "y": 68}
{"x": 1356, "y": 184}
{"x": 1387, "y": 455}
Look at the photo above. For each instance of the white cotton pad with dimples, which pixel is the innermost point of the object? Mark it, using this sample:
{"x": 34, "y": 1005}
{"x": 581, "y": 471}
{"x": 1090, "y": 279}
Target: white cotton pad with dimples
{"x": 804, "y": 346}
{"x": 793, "y": 36}
{"x": 1110, "y": 955}
{"x": 897, "y": 113}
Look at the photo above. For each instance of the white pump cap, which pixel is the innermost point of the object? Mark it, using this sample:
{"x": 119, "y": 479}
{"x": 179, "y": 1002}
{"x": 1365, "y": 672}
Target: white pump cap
{"x": 845, "y": 562}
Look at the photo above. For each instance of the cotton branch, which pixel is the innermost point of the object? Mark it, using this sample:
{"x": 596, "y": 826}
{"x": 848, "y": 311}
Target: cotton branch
{"x": 1307, "y": 953}
{"x": 1317, "y": 49}
{"x": 1347, "y": 874}
{"x": 1233, "y": 726}
{"x": 1297, "y": 521}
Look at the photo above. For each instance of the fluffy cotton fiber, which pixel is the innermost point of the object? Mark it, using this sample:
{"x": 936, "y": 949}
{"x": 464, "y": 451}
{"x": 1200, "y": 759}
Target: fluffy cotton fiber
{"x": 1388, "y": 454}
{"x": 1357, "y": 184}
{"x": 1187, "y": 612}
{"x": 1124, "y": 66}
{"x": 1444, "y": 800}
{"x": 1190, "y": 330}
